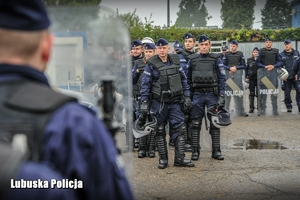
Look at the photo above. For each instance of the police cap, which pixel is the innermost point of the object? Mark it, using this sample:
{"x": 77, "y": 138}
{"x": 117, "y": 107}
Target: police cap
{"x": 203, "y": 38}
{"x": 148, "y": 46}
{"x": 287, "y": 42}
{"x": 188, "y": 36}
{"x": 234, "y": 42}
{"x": 224, "y": 48}
{"x": 255, "y": 49}
{"x": 268, "y": 39}
{"x": 23, "y": 15}
{"x": 162, "y": 42}
{"x": 136, "y": 43}
{"x": 178, "y": 45}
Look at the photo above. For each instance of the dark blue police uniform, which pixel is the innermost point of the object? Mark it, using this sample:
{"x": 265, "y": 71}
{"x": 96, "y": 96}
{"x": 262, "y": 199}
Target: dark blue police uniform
{"x": 74, "y": 141}
{"x": 163, "y": 83}
{"x": 288, "y": 59}
{"x": 296, "y": 72}
{"x": 207, "y": 81}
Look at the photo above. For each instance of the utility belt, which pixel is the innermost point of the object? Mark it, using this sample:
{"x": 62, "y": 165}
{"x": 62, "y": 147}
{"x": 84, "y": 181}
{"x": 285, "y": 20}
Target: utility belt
{"x": 204, "y": 90}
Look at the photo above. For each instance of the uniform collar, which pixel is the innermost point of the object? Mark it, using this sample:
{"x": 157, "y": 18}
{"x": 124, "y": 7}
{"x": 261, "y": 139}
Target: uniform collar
{"x": 23, "y": 71}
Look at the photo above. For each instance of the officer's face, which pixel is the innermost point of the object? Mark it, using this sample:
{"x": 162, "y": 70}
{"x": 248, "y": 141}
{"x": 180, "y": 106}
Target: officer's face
{"x": 137, "y": 51}
{"x": 268, "y": 44}
{"x": 149, "y": 53}
{"x": 288, "y": 47}
{"x": 163, "y": 51}
{"x": 254, "y": 54}
{"x": 204, "y": 47}
{"x": 189, "y": 44}
{"x": 233, "y": 47}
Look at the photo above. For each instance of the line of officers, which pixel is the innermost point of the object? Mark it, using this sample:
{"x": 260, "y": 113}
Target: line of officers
{"x": 178, "y": 88}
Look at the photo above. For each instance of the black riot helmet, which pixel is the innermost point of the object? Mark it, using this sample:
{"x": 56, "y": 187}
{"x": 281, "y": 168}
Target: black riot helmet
{"x": 220, "y": 118}
{"x": 145, "y": 129}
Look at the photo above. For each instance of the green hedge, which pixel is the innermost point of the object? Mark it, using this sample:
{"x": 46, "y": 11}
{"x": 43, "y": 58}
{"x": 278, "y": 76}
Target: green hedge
{"x": 242, "y": 35}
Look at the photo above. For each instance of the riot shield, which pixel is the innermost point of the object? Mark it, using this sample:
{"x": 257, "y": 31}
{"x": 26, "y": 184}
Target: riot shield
{"x": 91, "y": 57}
{"x": 235, "y": 90}
{"x": 268, "y": 85}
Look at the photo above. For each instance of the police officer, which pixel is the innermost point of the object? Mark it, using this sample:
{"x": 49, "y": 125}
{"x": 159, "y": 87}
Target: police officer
{"x": 296, "y": 72}
{"x": 234, "y": 63}
{"x": 206, "y": 76}
{"x": 177, "y": 47}
{"x": 224, "y": 49}
{"x": 164, "y": 82}
{"x": 59, "y": 131}
{"x": 269, "y": 58}
{"x": 251, "y": 78}
{"x": 146, "y": 143}
{"x": 289, "y": 55}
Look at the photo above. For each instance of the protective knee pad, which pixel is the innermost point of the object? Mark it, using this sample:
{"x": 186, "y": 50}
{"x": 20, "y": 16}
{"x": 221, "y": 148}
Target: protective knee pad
{"x": 161, "y": 131}
{"x": 195, "y": 123}
{"x": 182, "y": 130}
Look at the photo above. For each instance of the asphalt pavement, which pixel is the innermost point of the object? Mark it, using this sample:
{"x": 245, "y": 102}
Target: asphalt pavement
{"x": 262, "y": 162}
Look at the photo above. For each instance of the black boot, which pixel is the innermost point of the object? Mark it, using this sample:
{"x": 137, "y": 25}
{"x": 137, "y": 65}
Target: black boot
{"x": 163, "y": 152}
{"x": 215, "y": 138}
{"x": 187, "y": 146}
{"x": 195, "y": 130}
{"x": 152, "y": 142}
{"x": 251, "y": 103}
{"x": 179, "y": 160}
{"x": 142, "y": 147}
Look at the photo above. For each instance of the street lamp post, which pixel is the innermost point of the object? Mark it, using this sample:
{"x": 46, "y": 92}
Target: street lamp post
{"x": 168, "y": 13}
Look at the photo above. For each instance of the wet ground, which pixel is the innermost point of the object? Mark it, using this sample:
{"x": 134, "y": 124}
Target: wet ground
{"x": 262, "y": 161}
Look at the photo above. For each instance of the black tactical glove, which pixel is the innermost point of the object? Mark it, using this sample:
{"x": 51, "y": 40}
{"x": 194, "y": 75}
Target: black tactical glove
{"x": 221, "y": 102}
{"x": 144, "y": 111}
{"x": 187, "y": 104}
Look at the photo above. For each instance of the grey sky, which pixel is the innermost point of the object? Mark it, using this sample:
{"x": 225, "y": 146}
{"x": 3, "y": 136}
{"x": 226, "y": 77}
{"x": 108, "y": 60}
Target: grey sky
{"x": 158, "y": 8}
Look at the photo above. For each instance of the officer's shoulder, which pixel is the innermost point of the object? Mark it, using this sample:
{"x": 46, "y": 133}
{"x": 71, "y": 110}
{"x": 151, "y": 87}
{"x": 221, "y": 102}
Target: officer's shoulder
{"x": 275, "y": 49}
{"x": 213, "y": 55}
{"x": 151, "y": 59}
{"x": 250, "y": 58}
{"x": 193, "y": 56}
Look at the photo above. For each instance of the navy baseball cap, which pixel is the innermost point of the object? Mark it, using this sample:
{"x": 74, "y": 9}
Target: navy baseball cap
{"x": 287, "y": 42}
{"x": 136, "y": 43}
{"x": 162, "y": 42}
{"x": 234, "y": 42}
{"x": 178, "y": 45}
{"x": 224, "y": 48}
{"x": 149, "y": 46}
{"x": 203, "y": 38}
{"x": 255, "y": 49}
{"x": 188, "y": 36}
{"x": 23, "y": 15}
{"x": 268, "y": 39}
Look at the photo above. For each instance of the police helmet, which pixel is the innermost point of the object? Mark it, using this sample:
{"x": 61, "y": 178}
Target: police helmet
{"x": 283, "y": 74}
{"x": 150, "y": 125}
{"x": 220, "y": 118}
{"x": 147, "y": 40}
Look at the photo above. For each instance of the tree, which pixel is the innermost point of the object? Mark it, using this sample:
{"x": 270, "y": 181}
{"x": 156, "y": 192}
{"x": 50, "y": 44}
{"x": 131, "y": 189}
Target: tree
{"x": 192, "y": 12}
{"x": 276, "y": 14}
{"x": 237, "y": 14}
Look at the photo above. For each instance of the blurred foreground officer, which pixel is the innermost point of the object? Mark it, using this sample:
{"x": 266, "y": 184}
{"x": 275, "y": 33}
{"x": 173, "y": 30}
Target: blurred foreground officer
{"x": 251, "y": 78}
{"x": 59, "y": 131}
{"x": 146, "y": 143}
{"x": 164, "y": 82}
{"x": 207, "y": 80}
{"x": 289, "y": 55}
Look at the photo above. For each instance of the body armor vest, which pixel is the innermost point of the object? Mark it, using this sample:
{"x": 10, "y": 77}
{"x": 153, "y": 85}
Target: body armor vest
{"x": 234, "y": 59}
{"x": 137, "y": 86}
{"x": 269, "y": 57}
{"x": 252, "y": 70}
{"x": 204, "y": 71}
{"x": 288, "y": 59}
{"x": 169, "y": 87}
{"x": 25, "y": 109}
{"x": 185, "y": 53}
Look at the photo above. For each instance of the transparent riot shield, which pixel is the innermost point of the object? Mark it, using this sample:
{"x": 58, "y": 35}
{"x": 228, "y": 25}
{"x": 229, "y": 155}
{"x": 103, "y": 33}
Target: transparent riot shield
{"x": 91, "y": 58}
{"x": 235, "y": 90}
{"x": 268, "y": 97}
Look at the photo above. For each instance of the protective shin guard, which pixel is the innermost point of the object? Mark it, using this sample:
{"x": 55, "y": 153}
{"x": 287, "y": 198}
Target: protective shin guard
{"x": 251, "y": 103}
{"x": 195, "y": 139}
{"x": 215, "y": 138}
{"x": 179, "y": 160}
{"x": 163, "y": 152}
{"x": 151, "y": 151}
{"x": 142, "y": 147}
